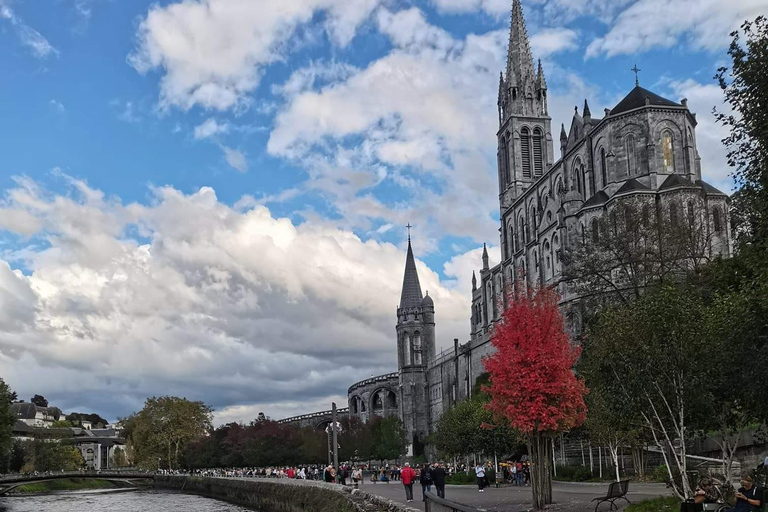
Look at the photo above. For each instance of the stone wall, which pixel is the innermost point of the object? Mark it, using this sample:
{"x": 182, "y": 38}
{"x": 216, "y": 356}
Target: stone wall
{"x": 281, "y": 495}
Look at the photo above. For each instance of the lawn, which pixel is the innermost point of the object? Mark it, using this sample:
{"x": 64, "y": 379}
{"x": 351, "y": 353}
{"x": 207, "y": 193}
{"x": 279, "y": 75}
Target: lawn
{"x": 669, "y": 504}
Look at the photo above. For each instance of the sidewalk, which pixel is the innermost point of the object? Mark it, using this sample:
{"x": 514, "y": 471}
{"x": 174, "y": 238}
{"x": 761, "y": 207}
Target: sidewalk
{"x": 568, "y": 496}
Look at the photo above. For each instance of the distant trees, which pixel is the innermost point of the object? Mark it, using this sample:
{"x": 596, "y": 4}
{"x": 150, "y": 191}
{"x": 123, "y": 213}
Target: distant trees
{"x": 159, "y": 432}
{"x": 7, "y": 419}
{"x": 532, "y": 384}
{"x": 45, "y": 455}
{"x": 77, "y": 419}
{"x": 268, "y": 443}
{"x": 39, "y": 401}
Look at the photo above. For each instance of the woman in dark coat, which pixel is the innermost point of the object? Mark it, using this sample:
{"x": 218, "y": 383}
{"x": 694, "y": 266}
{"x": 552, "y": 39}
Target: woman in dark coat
{"x": 425, "y": 479}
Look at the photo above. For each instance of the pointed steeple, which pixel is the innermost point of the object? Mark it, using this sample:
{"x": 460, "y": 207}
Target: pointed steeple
{"x": 541, "y": 82}
{"x": 485, "y": 258}
{"x": 411, "y": 295}
{"x": 501, "y": 88}
{"x": 474, "y": 281}
{"x": 563, "y": 135}
{"x": 586, "y": 112}
{"x": 519, "y": 57}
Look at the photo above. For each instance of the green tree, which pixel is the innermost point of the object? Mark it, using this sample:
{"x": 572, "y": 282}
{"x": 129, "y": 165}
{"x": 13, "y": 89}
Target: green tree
{"x": 7, "y": 419}
{"x": 39, "y": 400}
{"x": 388, "y": 438}
{"x": 161, "y": 430}
{"x": 118, "y": 458}
{"x": 50, "y": 455}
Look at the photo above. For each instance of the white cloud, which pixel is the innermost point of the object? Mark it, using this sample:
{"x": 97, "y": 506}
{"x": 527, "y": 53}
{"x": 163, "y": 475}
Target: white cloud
{"x": 235, "y": 158}
{"x": 57, "y": 106}
{"x": 549, "y": 41}
{"x": 648, "y": 24}
{"x": 210, "y": 128}
{"x": 426, "y": 111}
{"x": 189, "y": 296}
{"x": 34, "y": 40}
{"x": 213, "y": 52}
{"x": 495, "y": 7}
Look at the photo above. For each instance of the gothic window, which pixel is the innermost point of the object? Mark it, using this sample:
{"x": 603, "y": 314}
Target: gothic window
{"x": 522, "y": 231}
{"x": 560, "y": 188}
{"x": 533, "y": 223}
{"x": 630, "y": 143}
{"x": 512, "y": 243}
{"x": 538, "y": 164}
{"x": 591, "y": 183}
{"x": 525, "y": 151}
{"x": 668, "y": 152}
{"x": 673, "y": 214}
{"x": 557, "y": 251}
{"x": 548, "y": 267}
{"x": 417, "y": 348}
{"x": 595, "y": 231}
{"x": 505, "y": 156}
{"x": 603, "y": 168}
{"x": 716, "y": 220}
{"x": 690, "y": 213}
{"x": 407, "y": 350}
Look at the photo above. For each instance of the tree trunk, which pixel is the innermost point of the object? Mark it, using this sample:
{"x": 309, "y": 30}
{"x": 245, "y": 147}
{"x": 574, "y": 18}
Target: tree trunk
{"x": 638, "y": 460}
{"x": 600, "y": 456}
{"x": 583, "y": 462}
{"x": 540, "y": 448}
{"x": 615, "y": 456}
{"x": 591, "y": 460}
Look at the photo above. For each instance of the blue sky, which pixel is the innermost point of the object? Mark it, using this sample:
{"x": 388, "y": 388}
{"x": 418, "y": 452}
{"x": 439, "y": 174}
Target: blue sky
{"x": 155, "y": 137}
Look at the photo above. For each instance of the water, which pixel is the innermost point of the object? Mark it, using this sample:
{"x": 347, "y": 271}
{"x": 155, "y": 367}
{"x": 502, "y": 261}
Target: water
{"x": 134, "y": 501}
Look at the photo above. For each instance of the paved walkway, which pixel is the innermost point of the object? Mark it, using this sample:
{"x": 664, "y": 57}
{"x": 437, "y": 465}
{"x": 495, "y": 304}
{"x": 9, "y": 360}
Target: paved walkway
{"x": 569, "y": 497}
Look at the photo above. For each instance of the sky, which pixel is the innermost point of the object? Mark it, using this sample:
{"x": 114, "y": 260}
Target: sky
{"x": 208, "y": 198}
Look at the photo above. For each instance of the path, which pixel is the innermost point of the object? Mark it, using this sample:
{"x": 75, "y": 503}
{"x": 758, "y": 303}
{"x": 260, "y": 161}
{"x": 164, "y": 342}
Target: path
{"x": 569, "y": 497}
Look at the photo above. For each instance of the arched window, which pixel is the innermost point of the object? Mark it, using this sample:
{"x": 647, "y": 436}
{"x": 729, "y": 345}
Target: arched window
{"x": 407, "y": 350}
{"x": 525, "y": 151}
{"x": 391, "y": 400}
{"x": 505, "y": 155}
{"x": 603, "y": 167}
{"x": 560, "y": 188}
{"x": 716, "y": 220}
{"x": 668, "y": 151}
{"x": 673, "y": 214}
{"x": 595, "y": 231}
{"x": 522, "y": 231}
{"x": 555, "y": 245}
{"x": 417, "y": 347}
{"x": 533, "y": 222}
{"x": 690, "y": 213}
{"x": 538, "y": 158}
{"x": 512, "y": 243}
{"x": 591, "y": 182}
{"x": 353, "y": 405}
{"x": 630, "y": 144}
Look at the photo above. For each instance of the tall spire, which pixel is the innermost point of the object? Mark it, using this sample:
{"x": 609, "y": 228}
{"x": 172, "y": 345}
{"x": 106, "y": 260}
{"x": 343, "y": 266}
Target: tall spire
{"x": 485, "y": 258}
{"x": 411, "y": 295}
{"x": 541, "y": 82}
{"x": 519, "y": 57}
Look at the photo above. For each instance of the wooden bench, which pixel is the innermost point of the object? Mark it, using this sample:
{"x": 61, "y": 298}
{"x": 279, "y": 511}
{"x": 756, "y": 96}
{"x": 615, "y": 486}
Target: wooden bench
{"x": 617, "y": 490}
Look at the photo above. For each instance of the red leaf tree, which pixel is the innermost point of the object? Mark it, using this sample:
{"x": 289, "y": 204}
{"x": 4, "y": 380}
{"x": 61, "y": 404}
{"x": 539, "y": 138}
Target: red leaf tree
{"x": 532, "y": 381}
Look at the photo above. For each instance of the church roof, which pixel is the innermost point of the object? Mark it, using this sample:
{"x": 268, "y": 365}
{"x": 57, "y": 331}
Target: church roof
{"x": 709, "y": 189}
{"x": 631, "y": 185}
{"x": 674, "y": 181}
{"x": 596, "y": 200}
{"x": 636, "y": 99}
{"x": 411, "y": 295}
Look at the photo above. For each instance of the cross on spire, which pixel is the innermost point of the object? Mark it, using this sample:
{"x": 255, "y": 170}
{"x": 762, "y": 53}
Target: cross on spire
{"x": 409, "y": 231}
{"x": 637, "y": 77}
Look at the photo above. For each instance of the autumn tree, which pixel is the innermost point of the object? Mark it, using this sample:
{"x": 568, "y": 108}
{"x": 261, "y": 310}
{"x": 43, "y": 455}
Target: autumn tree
{"x": 532, "y": 384}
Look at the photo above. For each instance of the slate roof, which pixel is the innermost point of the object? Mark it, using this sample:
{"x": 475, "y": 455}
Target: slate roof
{"x": 28, "y": 410}
{"x": 596, "y": 200}
{"x": 674, "y": 181}
{"x": 632, "y": 185}
{"x": 411, "y": 296}
{"x": 709, "y": 189}
{"x": 636, "y": 99}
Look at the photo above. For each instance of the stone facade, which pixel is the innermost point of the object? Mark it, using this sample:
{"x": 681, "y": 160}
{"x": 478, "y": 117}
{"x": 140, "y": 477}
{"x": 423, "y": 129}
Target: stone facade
{"x": 643, "y": 150}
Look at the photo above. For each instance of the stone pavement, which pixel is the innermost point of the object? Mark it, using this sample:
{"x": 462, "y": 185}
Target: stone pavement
{"x": 569, "y": 497}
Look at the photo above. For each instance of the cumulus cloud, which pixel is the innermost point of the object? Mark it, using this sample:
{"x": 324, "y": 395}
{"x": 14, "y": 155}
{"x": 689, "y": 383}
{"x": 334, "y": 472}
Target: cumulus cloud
{"x": 186, "y": 295}
{"x": 209, "y": 128}
{"x": 647, "y": 24}
{"x": 553, "y": 40}
{"x": 212, "y": 53}
{"x": 421, "y": 117}
{"x": 29, "y": 37}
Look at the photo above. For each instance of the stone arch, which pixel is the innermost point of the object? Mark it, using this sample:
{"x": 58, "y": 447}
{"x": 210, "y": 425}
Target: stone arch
{"x": 323, "y": 424}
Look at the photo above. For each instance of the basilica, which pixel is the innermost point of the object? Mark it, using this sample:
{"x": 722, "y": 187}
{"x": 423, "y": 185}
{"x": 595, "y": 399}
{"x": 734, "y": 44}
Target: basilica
{"x": 642, "y": 149}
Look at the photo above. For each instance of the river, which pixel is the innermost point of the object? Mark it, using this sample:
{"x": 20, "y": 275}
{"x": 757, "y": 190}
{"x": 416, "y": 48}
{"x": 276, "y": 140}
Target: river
{"x": 133, "y": 501}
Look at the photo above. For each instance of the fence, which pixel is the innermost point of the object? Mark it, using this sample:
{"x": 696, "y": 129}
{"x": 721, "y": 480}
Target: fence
{"x": 435, "y": 504}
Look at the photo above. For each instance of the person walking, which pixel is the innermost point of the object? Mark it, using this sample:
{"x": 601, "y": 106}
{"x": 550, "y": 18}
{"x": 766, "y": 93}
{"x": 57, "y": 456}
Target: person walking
{"x": 438, "y": 477}
{"x": 357, "y": 476}
{"x": 425, "y": 479}
{"x": 407, "y": 476}
{"x": 480, "y": 473}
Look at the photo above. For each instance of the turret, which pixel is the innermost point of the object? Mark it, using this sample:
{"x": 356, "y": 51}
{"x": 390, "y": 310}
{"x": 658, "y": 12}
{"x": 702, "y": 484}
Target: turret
{"x": 474, "y": 281}
{"x": 587, "y": 117}
{"x": 541, "y": 89}
{"x": 563, "y": 140}
{"x": 486, "y": 268}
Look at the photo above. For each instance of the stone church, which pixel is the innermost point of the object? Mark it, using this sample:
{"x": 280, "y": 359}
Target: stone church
{"x": 642, "y": 149}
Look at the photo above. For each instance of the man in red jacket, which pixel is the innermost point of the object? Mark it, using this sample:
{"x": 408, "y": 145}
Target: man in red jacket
{"x": 408, "y": 475}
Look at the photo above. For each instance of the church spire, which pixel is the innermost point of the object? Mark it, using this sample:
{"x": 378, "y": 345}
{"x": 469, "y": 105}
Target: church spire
{"x": 485, "y": 258}
{"x": 541, "y": 82}
{"x": 411, "y": 295}
{"x": 519, "y": 57}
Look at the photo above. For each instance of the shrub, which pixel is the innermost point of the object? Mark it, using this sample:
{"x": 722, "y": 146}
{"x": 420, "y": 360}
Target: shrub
{"x": 660, "y": 474}
{"x": 573, "y": 473}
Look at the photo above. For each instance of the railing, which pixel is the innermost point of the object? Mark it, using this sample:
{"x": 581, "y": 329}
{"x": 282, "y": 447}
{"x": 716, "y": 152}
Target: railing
{"x": 380, "y": 378}
{"x": 434, "y": 504}
{"x": 10, "y": 479}
{"x": 320, "y": 414}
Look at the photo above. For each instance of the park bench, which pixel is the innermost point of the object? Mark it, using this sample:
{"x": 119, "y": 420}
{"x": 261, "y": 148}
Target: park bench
{"x": 617, "y": 490}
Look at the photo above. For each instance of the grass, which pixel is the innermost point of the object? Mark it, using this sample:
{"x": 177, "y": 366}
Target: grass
{"x": 67, "y": 484}
{"x": 668, "y": 504}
